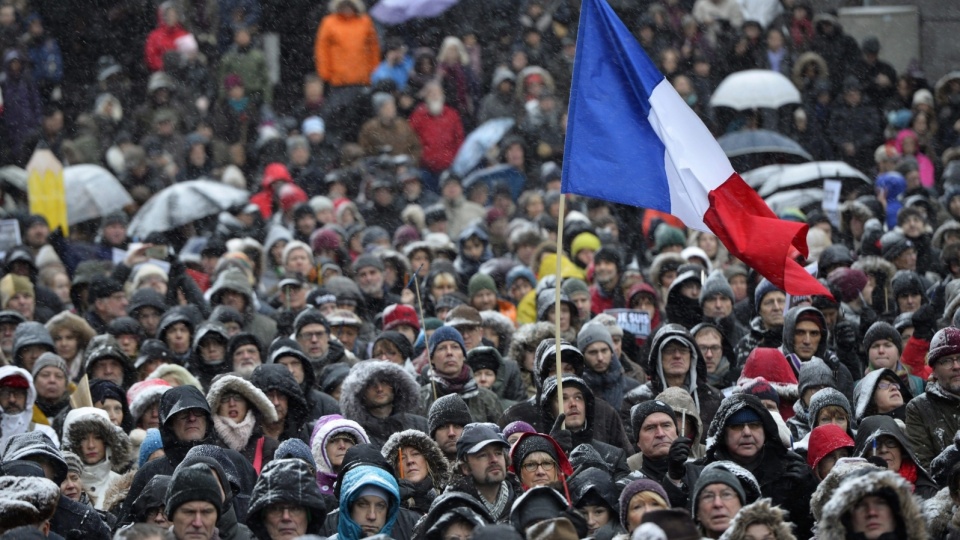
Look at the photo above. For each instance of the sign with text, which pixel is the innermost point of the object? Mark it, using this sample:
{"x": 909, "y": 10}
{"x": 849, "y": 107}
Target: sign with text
{"x": 632, "y": 320}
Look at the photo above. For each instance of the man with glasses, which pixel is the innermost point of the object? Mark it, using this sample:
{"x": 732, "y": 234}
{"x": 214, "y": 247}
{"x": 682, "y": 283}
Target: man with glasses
{"x": 481, "y": 470}
{"x": 745, "y": 433}
{"x": 933, "y": 417}
{"x": 718, "y": 497}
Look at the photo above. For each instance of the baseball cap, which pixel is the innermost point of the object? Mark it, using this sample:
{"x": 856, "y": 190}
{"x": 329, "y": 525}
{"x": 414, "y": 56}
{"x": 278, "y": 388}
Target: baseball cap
{"x": 478, "y": 435}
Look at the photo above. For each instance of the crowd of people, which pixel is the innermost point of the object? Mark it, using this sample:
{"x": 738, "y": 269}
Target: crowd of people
{"x": 366, "y": 347}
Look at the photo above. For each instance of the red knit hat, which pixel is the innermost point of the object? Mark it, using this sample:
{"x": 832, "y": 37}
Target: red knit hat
{"x": 14, "y": 381}
{"x": 398, "y": 314}
{"x": 769, "y": 364}
{"x": 825, "y": 439}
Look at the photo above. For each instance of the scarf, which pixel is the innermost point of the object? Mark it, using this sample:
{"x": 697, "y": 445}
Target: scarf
{"x": 497, "y": 507}
{"x": 238, "y": 105}
{"x": 908, "y": 471}
{"x": 235, "y": 434}
{"x": 716, "y": 378}
{"x": 609, "y": 385}
{"x": 463, "y": 383}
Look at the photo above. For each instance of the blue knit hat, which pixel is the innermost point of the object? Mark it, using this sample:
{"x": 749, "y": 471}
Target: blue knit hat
{"x": 763, "y": 289}
{"x": 446, "y": 333}
{"x": 295, "y": 449}
{"x": 745, "y": 415}
{"x": 151, "y": 443}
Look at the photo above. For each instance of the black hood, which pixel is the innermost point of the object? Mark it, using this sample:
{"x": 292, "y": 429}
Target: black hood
{"x": 277, "y": 377}
{"x": 288, "y": 347}
{"x": 790, "y": 327}
{"x": 595, "y": 481}
{"x": 173, "y": 401}
{"x": 153, "y": 495}
{"x": 288, "y": 481}
{"x": 716, "y": 442}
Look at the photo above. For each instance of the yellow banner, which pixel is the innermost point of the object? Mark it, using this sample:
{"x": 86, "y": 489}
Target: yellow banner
{"x": 45, "y": 188}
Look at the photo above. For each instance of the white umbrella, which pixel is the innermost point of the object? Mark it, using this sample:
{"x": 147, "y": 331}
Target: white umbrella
{"x": 183, "y": 203}
{"x": 478, "y": 142}
{"x": 92, "y": 192}
{"x": 399, "y": 11}
{"x": 755, "y": 89}
{"x": 812, "y": 174}
{"x": 797, "y": 198}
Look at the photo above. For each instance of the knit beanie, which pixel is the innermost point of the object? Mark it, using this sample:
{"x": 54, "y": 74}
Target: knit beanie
{"x": 611, "y": 254}
{"x": 849, "y": 281}
{"x": 309, "y": 316}
{"x": 592, "y": 333}
{"x": 763, "y": 289}
{"x": 906, "y": 282}
{"x": 946, "y": 342}
{"x": 193, "y": 483}
{"x": 484, "y": 358}
{"x": 295, "y": 449}
{"x": 666, "y": 236}
{"x": 762, "y": 390}
{"x": 446, "y": 333}
{"x": 745, "y": 415}
{"x": 480, "y": 282}
{"x": 151, "y": 443}
{"x": 642, "y": 410}
{"x": 716, "y": 284}
{"x": 517, "y": 426}
{"x": 448, "y": 409}
{"x": 826, "y": 398}
{"x": 48, "y": 359}
{"x": 366, "y": 261}
{"x": 882, "y": 330}
{"x": 717, "y": 475}
{"x": 572, "y": 286}
{"x": 639, "y": 486}
{"x": 400, "y": 314}
{"x": 893, "y": 243}
{"x": 530, "y": 444}
{"x": 584, "y": 240}
{"x": 74, "y": 463}
{"x": 815, "y": 372}
{"x": 13, "y": 284}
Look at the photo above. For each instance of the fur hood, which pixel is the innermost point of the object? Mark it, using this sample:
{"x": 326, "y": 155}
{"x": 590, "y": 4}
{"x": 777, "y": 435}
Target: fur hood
{"x": 325, "y": 428}
{"x": 659, "y": 262}
{"x": 178, "y": 373}
{"x": 852, "y": 209}
{"x": 948, "y": 226}
{"x": 764, "y": 513}
{"x": 833, "y": 480}
{"x": 254, "y": 396}
{"x": 528, "y": 336}
{"x": 938, "y": 512}
{"x": 406, "y": 391}
{"x": 85, "y": 420}
{"x": 438, "y": 464}
{"x": 66, "y": 320}
{"x": 118, "y": 490}
{"x": 885, "y": 483}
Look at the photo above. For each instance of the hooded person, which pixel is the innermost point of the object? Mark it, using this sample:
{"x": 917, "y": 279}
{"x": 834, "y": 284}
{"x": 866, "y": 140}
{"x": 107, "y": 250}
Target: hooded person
{"x": 538, "y": 460}
{"x": 675, "y": 360}
{"x": 242, "y": 299}
{"x": 70, "y": 516}
{"x": 185, "y": 422}
{"x": 881, "y": 436}
{"x": 239, "y": 409}
{"x": 522, "y": 351}
{"x": 448, "y": 520}
{"x": 594, "y": 493}
{"x": 16, "y": 407}
{"x": 827, "y": 444}
{"x": 108, "y": 396}
{"x": 744, "y": 432}
{"x": 718, "y": 354}
{"x": 682, "y": 404}
{"x": 105, "y": 360}
{"x": 369, "y": 503}
{"x": 860, "y": 495}
{"x": 285, "y": 502}
{"x": 422, "y": 471}
{"x": 805, "y": 337}
{"x": 30, "y": 340}
{"x": 281, "y": 387}
{"x": 75, "y": 329}
{"x": 332, "y": 436}
{"x": 760, "y": 514}
{"x": 579, "y": 406}
{"x": 287, "y": 352}
{"x": 607, "y": 428}
{"x": 103, "y": 448}
{"x": 208, "y": 357}
{"x": 383, "y": 398}
{"x": 606, "y": 293}
{"x": 473, "y": 249}
{"x": 150, "y": 502}
{"x": 683, "y": 304}
{"x": 881, "y": 391}
{"x": 33, "y": 508}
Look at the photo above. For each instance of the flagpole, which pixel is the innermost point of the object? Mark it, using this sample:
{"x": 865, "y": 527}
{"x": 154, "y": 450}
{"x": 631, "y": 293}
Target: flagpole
{"x": 556, "y": 305}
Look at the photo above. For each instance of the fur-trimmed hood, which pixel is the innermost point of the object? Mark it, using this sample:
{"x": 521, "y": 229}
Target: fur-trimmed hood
{"x": 838, "y": 474}
{"x": 887, "y": 484}
{"x": 660, "y": 262}
{"x": 85, "y": 420}
{"x": 254, "y": 396}
{"x": 528, "y": 336}
{"x": 406, "y": 391}
{"x": 868, "y": 385}
{"x": 118, "y": 490}
{"x": 761, "y": 512}
{"x": 178, "y": 373}
{"x": 325, "y": 428}
{"x": 938, "y": 512}
{"x": 436, "y": 461}
{"x": 852, "y": 209}
{"x": 951, "y": 225}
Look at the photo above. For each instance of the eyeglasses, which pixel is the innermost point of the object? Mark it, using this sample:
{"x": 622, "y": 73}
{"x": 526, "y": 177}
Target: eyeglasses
{"x": 949, "y": 361}
{"x": 278, "y": 510}
{"x": 533, "y": 466}
{"x": 754, "y": 426}
{"x": 6, "y": 392}
{"x": 886, "y": 442}
{"x": 711, "y": 349}
{"x": 671, "y": 350}
{"x": 888, "y": 385}
{"x": 232, "y": 396}
{"x": 309, "y": 336}
{"x": 724, "y": 494}
{"x": 154, "y": 512}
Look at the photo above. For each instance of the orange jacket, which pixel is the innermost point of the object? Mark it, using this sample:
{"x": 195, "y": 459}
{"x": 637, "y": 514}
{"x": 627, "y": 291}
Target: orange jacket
{"x": 347, "y": 50}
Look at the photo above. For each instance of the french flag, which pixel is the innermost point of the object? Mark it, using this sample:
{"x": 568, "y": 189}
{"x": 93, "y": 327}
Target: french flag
{"x": 632, "y": 139}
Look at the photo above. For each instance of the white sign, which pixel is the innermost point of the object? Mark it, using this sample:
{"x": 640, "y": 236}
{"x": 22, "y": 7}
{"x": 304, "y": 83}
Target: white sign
{"x": 632, "y": 320}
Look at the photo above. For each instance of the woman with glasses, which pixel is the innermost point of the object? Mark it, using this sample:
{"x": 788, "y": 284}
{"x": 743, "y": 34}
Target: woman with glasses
{"x": 239, "y": 411}
{"x": 882, "y": 391}
{"x": 880, "y": 436}
{"x": 538, "y": 461}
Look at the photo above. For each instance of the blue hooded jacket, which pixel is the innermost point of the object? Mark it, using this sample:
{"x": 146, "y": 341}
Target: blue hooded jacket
{"x": 353, "y": 483}
{"x": 893, "y": 185}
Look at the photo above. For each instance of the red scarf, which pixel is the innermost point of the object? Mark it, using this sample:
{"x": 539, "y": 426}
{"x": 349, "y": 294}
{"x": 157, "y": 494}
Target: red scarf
{"x": 908, "y": 470}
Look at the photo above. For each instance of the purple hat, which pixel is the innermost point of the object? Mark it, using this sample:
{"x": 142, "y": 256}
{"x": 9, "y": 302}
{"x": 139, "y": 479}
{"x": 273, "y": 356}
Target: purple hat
{"x": 517, "y": 427}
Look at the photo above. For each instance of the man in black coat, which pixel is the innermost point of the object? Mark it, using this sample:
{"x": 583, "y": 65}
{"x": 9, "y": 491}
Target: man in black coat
{"x": 744, "y": 432}
{"x": 855, "y": 127}
{"x": 287, "y": 352}
{"x": 293, "y": 413}
{"x": 663, "y": 452}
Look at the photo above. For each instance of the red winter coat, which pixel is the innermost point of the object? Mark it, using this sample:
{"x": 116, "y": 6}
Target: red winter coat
{"x": 159, "y": 42}
{"x": 440, "y": 136}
